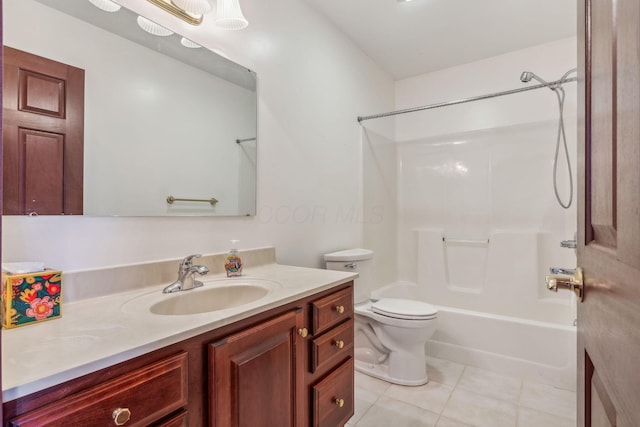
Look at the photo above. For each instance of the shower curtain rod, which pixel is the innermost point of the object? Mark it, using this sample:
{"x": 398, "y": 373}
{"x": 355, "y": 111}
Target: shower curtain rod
{"x": 463, "y": 101}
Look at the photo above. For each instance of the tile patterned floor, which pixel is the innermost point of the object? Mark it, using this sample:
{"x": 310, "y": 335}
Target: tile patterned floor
{"x": 462, "y": 396}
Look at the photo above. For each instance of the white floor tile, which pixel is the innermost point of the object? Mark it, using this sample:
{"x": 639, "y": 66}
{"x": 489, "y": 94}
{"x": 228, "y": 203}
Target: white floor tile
{"x": 431, "y": 396}
{"x": 532, "y": 418}
{"x": 499, "y": 386}
{"x": 390, "y": 412}
{"x": 444, "y": 371}
{"x": 480, "y": 410}
{"x": 464, "y": 397}
{"x": 448, "y": 422}
{"x": 372, "y": 384}
{"x": 549, "y": 399}
{"x": 364, "y": 400}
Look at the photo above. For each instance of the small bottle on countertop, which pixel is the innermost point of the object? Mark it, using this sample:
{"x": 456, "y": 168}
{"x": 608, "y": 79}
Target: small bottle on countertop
{"x": 233, "y": 262}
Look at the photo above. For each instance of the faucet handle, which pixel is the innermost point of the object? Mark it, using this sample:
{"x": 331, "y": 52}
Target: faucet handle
{"x": 560, "y": 270}
{"x": 186, "y": 262}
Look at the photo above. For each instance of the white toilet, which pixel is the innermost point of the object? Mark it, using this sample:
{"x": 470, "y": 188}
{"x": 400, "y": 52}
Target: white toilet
{"x": 390, "y": 333}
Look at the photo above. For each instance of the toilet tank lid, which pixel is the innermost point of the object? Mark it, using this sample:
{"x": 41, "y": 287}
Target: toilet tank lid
{"x": 357, "y": 254}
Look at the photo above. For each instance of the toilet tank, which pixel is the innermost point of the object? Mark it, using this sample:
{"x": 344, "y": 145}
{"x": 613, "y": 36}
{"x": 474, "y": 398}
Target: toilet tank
{"x": 359, "y": 261}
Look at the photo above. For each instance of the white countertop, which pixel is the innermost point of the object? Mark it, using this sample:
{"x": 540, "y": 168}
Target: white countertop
{"x": 99, "y": 332}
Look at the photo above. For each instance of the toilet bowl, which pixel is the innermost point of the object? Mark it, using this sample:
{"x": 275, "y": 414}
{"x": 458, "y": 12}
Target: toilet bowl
{"x": 390, "y": 333}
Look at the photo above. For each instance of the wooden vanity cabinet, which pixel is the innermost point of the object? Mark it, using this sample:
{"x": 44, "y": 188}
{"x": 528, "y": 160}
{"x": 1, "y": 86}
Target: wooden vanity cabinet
{"x": 266, "y": 370}
{"x": 254, "y": 375}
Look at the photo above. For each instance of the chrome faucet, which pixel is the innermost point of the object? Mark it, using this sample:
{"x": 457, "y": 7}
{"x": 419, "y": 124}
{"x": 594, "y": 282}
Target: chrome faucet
{"x": 186, "y": 280}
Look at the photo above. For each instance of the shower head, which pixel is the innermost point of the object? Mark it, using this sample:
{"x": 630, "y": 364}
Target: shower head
{"x": 527, "y": 76}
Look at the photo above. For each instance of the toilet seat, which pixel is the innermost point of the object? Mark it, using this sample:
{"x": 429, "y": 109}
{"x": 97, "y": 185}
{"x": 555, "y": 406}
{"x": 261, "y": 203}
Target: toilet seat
{"x": 405, "y": 309}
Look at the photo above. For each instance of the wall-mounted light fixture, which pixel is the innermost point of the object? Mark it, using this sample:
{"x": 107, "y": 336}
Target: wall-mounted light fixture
{"x": 170, "y": 6}
{"x": 229, "y": 15}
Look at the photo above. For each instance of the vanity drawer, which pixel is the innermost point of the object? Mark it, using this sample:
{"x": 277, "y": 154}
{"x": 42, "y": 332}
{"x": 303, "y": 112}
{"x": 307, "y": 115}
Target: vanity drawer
{"x": 332, "y": 346}
{"x": 147, "y": 394}
{"x": 331, "y": 310}
{"x": 333, "y": 398}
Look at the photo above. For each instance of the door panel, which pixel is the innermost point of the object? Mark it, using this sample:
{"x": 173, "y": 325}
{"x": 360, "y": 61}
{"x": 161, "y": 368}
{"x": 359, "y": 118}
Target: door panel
{"x": 603, "y": 412}
{"x": 1, "y": 191}
{"x": 42, "y": 97}
{"x": 609, "y": 213}
{"x": 42, "y": 156}
{"x": 41, "y": 94}
{"x": 603, "y": 139}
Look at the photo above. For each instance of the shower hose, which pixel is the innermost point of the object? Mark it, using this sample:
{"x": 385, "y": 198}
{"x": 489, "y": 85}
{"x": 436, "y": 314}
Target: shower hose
{"x": 559, "y": 91}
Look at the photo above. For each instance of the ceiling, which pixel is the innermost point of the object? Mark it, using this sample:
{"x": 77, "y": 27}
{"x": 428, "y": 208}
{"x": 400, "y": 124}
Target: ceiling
{"x": 420, "y": 36}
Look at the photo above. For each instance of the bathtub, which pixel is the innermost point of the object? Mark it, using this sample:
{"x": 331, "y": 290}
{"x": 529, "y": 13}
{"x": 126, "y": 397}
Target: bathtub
{"x": 533, "y": 350}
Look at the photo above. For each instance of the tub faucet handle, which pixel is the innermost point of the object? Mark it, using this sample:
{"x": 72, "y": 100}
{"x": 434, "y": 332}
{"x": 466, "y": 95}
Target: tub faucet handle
{"x": 565, "y": 271}
{"x": 573, "y": 283}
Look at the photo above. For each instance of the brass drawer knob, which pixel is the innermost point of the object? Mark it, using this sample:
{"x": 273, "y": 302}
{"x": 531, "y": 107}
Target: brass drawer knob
{"x": 339, "y": 309}
{"x": 121, "y": 416}
{"x": 339, "y": 402}
{"x": 303, "y": 332}
{"x": 339, "y": 343}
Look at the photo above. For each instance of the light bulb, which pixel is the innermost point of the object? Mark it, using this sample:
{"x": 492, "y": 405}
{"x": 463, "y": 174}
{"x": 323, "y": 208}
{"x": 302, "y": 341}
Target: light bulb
{"x": 230, "y": 15}
{"x": 106, "y": 5}
{"x": 153, "y": 28}
{"x": 188, "y": 43}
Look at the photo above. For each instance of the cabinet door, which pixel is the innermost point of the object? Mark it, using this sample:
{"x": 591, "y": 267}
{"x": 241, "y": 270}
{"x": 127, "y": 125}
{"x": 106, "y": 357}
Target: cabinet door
{"x": 255, "y": 375}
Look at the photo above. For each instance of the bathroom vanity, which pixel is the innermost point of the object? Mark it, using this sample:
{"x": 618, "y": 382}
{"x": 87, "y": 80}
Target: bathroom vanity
{"x": 284, "y": 360}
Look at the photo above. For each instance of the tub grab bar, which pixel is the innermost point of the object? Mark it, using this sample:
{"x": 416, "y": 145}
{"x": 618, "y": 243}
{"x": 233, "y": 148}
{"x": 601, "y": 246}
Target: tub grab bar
{"x": 465, "y": 241}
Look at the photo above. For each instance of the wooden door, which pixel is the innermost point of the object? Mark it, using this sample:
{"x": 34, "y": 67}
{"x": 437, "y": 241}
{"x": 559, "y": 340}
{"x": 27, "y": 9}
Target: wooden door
{"x": 43, "y": 131}
{"x": 609, "y": 213}
{"x": 255, "y": 376}
{"x": 1, "y": 209}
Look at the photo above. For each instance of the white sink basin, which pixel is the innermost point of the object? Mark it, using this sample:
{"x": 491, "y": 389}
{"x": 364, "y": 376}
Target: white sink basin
{"x": 213, "y": 296}
{"x": 206, "y": 300}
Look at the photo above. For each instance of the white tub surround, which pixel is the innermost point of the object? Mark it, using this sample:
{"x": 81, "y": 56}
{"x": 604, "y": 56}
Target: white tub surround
{"x": 501, "y": 272}
{"x": 94, "y": 333}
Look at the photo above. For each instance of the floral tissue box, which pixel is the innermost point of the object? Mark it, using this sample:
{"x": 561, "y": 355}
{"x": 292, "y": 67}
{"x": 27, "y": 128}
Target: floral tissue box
{"x": 30, "y": 297}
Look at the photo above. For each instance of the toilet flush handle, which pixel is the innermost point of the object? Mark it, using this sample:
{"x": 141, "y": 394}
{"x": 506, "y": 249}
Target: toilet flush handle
{"x": 351, "y": 266}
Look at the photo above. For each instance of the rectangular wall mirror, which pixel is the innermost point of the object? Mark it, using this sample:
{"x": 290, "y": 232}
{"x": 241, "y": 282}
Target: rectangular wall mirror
{"x": 160, "y": 119}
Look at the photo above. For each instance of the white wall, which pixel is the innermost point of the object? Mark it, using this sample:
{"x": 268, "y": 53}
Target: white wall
{"x": 549, "y": 61}
{"x": 482, "y": 171}
{"x": 313, "y": 83}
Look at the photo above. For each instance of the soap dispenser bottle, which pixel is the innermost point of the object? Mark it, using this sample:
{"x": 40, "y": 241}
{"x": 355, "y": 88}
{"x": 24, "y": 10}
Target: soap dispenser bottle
{"x": 233, "y": 262}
